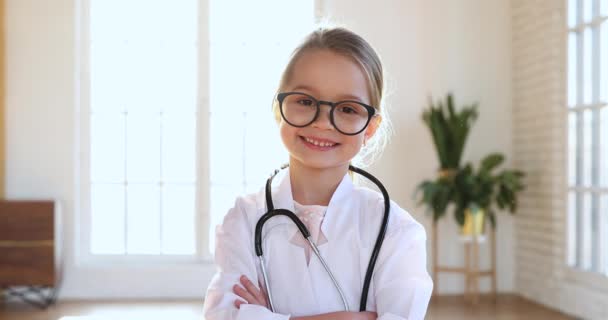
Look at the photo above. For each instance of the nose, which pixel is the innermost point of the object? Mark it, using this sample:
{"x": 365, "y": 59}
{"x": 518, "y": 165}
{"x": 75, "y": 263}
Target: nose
{"x": 323, "y": 120}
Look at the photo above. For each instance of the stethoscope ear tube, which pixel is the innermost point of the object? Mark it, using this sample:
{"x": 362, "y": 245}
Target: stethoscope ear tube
{"x": 379, "y": 240}
{"x": 276, "y": 212}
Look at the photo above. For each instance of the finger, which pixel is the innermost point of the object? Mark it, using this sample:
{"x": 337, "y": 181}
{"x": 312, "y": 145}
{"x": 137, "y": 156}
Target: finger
{"x": 239, "y": 291}
{"x": 264, "y": 294}
{"x": 252, "y": 289}
{"x": 238, "y": 303}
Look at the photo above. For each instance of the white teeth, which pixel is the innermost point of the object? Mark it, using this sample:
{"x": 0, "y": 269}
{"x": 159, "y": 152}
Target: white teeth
{"x": 319, "y": 143}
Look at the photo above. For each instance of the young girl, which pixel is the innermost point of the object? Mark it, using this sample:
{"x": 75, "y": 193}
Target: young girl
{"x": 327, "y": 108}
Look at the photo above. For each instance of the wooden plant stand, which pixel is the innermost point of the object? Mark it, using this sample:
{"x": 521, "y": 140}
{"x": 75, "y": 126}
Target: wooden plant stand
{"x": 471, "y": 270}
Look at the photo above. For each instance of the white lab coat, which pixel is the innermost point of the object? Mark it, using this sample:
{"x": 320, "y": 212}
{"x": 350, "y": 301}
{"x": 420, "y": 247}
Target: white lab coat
{"x": 400, "y": 287}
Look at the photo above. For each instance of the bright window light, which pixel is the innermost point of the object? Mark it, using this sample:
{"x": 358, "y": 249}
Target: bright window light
{"x": 143, "y": 110}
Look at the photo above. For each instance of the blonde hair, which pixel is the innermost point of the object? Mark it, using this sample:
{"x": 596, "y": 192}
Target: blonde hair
{"x": 347, "y": 43}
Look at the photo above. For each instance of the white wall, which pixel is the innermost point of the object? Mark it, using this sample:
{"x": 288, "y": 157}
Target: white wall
{"x": 428, "y": 47}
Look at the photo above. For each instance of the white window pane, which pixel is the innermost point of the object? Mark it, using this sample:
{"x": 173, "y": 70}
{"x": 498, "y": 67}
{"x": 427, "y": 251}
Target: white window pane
{"x": 572, "y": 13}
{"x": 226, "y": 148}
{"x": 586, "y": 236}
{"x": 142, "y": 77}
{"x": 138, "y": 20}
{"x": 143, "y": 219}
{"x": 262, "y": 158}
{"x": 222, "y": 199}
{"x": 178, "y": 219}
{"x": 587, "y": 66}
{"x": 143, "y": 147}
{"x": 107, "y": 219}
{"x": 572, "y": 214}
{"x": 256, "y": 21}
{"x": 107, "y": 23}
{"x": 107, "y": 147}
{"x": 604, "y": 63}
{"x": 572, "y": 145}
{"x": 108, "y": 88}
{"x": 179, "y": 20}
{"x": 604, "y": 8}
{"x": 587, "y": 147}
{"x": 230, "y": 80}
{"x": 587, "y": 10}
{"x": 179, "y": 147}
{"x": 572, "y": 69}
{"x": 177, "y": 77}
{"x": 604, "y": 147}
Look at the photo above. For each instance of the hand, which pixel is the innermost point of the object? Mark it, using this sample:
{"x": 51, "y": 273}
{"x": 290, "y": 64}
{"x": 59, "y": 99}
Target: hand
{"x": 250, "y": 293}
{"x": 341, "y": 315}
{"x": 367, "y": 315}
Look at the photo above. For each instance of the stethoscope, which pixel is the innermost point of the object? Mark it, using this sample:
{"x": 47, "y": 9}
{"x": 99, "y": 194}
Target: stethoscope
{"x": 272, "y": 212}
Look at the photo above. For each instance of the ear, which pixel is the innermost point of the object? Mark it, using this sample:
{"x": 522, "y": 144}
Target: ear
{"x": 374, "y": 124}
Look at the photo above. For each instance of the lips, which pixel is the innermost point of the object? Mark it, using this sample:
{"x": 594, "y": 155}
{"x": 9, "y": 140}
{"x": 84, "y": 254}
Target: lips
{"x": 318, "y": 143}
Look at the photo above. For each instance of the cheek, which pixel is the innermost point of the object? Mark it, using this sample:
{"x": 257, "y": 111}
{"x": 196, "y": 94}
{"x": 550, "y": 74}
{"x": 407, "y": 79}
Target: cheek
{"x": 286, "y": 131}
{"x": 356, "y": 142}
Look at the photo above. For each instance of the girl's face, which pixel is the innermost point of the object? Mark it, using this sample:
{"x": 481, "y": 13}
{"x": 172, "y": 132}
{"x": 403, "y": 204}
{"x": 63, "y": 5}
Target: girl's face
{"x": 326, "y": 76}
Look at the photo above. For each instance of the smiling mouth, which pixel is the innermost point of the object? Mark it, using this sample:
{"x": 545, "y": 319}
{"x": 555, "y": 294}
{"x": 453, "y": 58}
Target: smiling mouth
{"x": 319, "y": 143}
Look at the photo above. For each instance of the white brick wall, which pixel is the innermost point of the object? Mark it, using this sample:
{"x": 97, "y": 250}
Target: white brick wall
{"x": 539, "y": 146}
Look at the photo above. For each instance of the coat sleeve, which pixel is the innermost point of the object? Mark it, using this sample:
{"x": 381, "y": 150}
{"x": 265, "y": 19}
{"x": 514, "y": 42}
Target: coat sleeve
{"x": 234, "y": 256}
{"x": 403, "y": 285}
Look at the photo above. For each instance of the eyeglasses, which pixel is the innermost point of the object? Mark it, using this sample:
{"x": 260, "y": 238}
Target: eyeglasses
{"x": 349, "y": 117}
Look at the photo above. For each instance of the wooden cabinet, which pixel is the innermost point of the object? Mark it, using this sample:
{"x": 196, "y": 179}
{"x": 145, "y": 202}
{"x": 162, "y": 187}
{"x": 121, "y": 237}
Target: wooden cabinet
{"x": 27, "y": 244}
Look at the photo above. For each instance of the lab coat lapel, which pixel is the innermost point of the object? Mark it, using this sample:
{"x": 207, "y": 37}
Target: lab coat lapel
{"x": 341, "y": 216}
{"x": 334, "y": 210}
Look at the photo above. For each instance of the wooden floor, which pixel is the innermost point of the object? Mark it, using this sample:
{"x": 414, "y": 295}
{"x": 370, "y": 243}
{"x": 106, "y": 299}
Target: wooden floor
{"x": 507, "y": 307}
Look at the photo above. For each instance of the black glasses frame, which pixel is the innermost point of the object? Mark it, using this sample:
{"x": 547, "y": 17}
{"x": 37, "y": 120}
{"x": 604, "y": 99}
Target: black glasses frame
{"x": 371, "y": 111}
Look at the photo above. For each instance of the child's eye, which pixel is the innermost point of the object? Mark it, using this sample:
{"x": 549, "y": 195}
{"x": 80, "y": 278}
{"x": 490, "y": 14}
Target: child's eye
{"x": 306, "y": 102}
{"x": 347, "y": 109}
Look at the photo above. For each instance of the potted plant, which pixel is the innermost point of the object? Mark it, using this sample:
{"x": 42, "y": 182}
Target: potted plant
{"x": 478, "y": 193}
{"x": 449, "y": 129}
{"x": 475, "y": 194}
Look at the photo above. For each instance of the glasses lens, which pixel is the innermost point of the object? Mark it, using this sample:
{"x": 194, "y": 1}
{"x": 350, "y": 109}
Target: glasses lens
{"x": 350, "y": 117}
{"x": 299, "y": 109}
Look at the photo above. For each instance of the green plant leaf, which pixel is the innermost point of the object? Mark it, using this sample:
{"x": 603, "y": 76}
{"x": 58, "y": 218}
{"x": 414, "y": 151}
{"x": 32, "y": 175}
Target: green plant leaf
{"x": 491, "y": 161}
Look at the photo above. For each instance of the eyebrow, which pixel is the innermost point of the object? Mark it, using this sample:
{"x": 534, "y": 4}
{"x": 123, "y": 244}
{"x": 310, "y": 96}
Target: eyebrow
{"x": 343, "y": 96}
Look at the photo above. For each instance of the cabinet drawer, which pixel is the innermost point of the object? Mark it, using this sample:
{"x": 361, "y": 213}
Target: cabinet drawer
{"x": 26, "y": 220}
{"x": 26, "y": 265}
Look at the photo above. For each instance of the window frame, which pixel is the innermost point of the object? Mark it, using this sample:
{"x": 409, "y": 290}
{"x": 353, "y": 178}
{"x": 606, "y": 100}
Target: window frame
{"x": 574, "y": 256}
{"x": 83, "y": 184}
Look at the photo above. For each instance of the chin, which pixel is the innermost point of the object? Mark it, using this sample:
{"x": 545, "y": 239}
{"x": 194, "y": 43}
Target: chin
{"x": 321, "y": 165}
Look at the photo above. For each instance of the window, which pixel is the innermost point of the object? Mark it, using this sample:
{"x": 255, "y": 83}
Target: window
{"x": 141, "y": 176}
{"x": 149, "y": 134}
{"x": 588, "y": 134}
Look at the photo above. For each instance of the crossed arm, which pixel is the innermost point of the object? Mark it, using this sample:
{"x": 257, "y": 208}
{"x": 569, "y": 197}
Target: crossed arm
{"x": 252, "y": 295}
